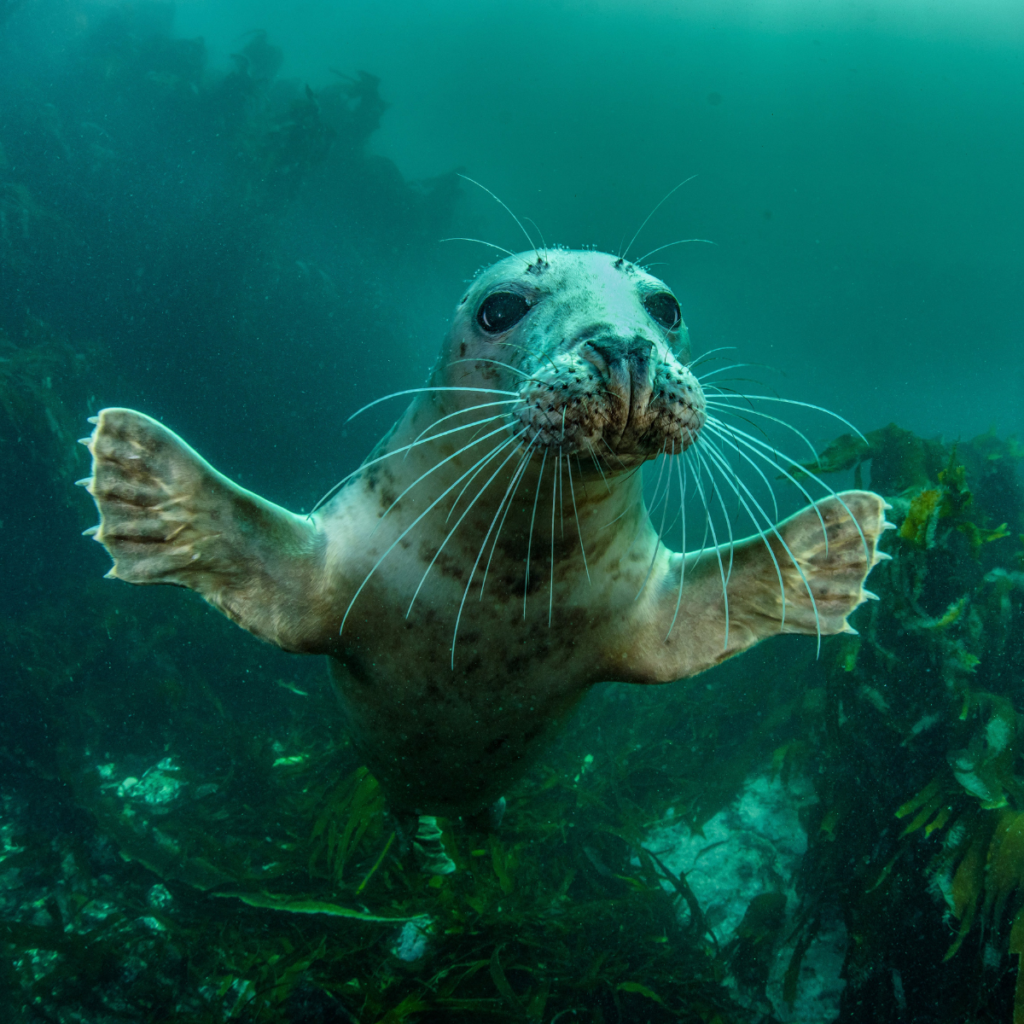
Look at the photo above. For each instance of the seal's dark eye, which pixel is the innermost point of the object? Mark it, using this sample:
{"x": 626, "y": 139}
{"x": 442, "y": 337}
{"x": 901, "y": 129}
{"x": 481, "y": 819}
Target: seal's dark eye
{"x": 664, "y": 308}
{"x": 500, "y": 311}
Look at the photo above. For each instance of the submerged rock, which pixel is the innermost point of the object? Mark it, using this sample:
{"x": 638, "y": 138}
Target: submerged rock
{"x": 754, "y": 848}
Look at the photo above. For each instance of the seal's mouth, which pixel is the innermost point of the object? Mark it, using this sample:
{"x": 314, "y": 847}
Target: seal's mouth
{"x": 613, "y": 397}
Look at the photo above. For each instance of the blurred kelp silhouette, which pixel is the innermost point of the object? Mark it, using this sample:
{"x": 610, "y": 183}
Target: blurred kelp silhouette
{"x": 212, "y": 230}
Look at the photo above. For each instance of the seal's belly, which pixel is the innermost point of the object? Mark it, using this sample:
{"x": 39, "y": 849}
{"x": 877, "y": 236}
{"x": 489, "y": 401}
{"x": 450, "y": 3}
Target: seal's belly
{"x": 447, "y": 745}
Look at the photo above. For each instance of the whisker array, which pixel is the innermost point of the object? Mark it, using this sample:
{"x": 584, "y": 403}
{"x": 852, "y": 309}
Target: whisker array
{"x": 406, "y": 449}
{"x": 533, "y": 520}
{"x": 554, "y": 501}
{"x": 436, "y": 467}
{"x": 420, "y": 391}
{"x": 661, "y": 528}
{"x": 533, "y": 245}
{"x": 517, "y": 479}
{"x": 579, "y": 528}
{"x": 714, "y": 540}
{"x": 458, "y": 412}
{"x": 725, "y": 460}
{"x": 411, "y": 527}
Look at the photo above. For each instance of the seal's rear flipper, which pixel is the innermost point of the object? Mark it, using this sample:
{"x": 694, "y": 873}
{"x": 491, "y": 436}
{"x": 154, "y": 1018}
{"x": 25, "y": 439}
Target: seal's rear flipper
{"x": 167, "y": 516}
{"x": 804, "y": 576}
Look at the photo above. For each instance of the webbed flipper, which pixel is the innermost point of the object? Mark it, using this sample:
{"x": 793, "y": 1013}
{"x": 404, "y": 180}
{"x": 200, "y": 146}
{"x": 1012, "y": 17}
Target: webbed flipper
{"x": 167, "y": 516}
{"x": 824, "y": 569}
{"x": 805, "y": 575}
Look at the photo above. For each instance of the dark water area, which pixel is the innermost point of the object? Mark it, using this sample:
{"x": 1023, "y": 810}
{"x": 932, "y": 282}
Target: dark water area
{"x": 229, "y": 216}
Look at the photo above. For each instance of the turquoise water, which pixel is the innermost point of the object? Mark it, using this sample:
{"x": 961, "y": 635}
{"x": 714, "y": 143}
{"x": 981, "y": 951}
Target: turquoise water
{"x": 230, "y": 216}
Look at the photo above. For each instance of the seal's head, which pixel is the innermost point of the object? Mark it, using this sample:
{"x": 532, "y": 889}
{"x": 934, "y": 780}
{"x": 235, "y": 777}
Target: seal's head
{"x": 595, "y": 347}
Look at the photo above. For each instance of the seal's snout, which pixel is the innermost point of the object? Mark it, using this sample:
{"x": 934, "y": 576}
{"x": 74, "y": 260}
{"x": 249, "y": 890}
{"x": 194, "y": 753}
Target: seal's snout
{"x": 627, "y": 369}
{"x": 627, "y": 395}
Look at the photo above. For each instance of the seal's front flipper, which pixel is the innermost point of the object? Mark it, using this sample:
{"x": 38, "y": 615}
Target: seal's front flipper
{"x": 829, "y": 550}
{"x": 167, "y": 516}
{"x": 804, "y": 576}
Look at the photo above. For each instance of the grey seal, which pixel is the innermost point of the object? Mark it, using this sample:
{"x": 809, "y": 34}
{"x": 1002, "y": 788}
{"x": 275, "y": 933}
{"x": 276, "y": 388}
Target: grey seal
{"x": 494, "y": 558}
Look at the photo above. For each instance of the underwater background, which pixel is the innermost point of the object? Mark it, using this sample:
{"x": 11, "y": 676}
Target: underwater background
{"x": 228, "y": 215}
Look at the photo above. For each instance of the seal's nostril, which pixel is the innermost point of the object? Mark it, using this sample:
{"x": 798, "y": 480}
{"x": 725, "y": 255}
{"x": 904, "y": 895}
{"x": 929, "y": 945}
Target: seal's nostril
{"x": 597, "y": 355}
{"x": 606, "y": 353}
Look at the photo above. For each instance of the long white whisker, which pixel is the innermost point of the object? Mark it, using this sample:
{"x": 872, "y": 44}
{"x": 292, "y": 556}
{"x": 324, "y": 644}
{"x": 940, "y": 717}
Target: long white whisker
{"x": 661, "y": 528}
{"x": 458, "y": 618}
{"x": 718, "y": 405}
{"x": 668, "y": 195}
{"x": 597, "y": 464}
{"x": 716, "y": 493}
{"x": 533, "y": 245}
{"x": 410, "y": 527}
{"x": 729, "y": 468}
{"x": 517, "y": 479}
{"x": 561, "y": 495}
{"x": 624, "y": 512}
{"x": 699, "y": 476}
{"x": 681, "y": 473}
{"x": 655, "y": 498}
{"x": 398, "y": 451}
{"x": 579, "y": 528}
{"x": 714, "y": 540}
{"x": 710, "y": 352}
{"x": 721, "y": 369}
{"x": 751, "y": 441}
{"x": 498, "y": 362}
{"x": 434, "y": 469}
{"x": 641, "y": 501}
{"x": 451, "y": 415}
{"x": 614, "y": 454}
{"x": 748, "y": 441}
{"x": 480, "y": 241}
{"x": 753, "y": 465}
{"x": 555, "y": 480}
{"x": 806, "y": 405}
{"x": 796, "y": 565}
{"x": 583, "y": 479}
{"x": 480, "y": 465}
{"x": 668, "y": 245}
{"x": 543, "y": 244}
{"x": 465, "y": 487}
{"x": 420, "y": 391}
{"x": 736, "y": 484}
{"x": 533, "y": 519}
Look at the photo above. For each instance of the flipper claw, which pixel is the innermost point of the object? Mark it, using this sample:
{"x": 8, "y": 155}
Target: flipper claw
{"x": 84, "y": 482}
{"x": 85, "y": 440}
{"x": 91, "y": 531}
